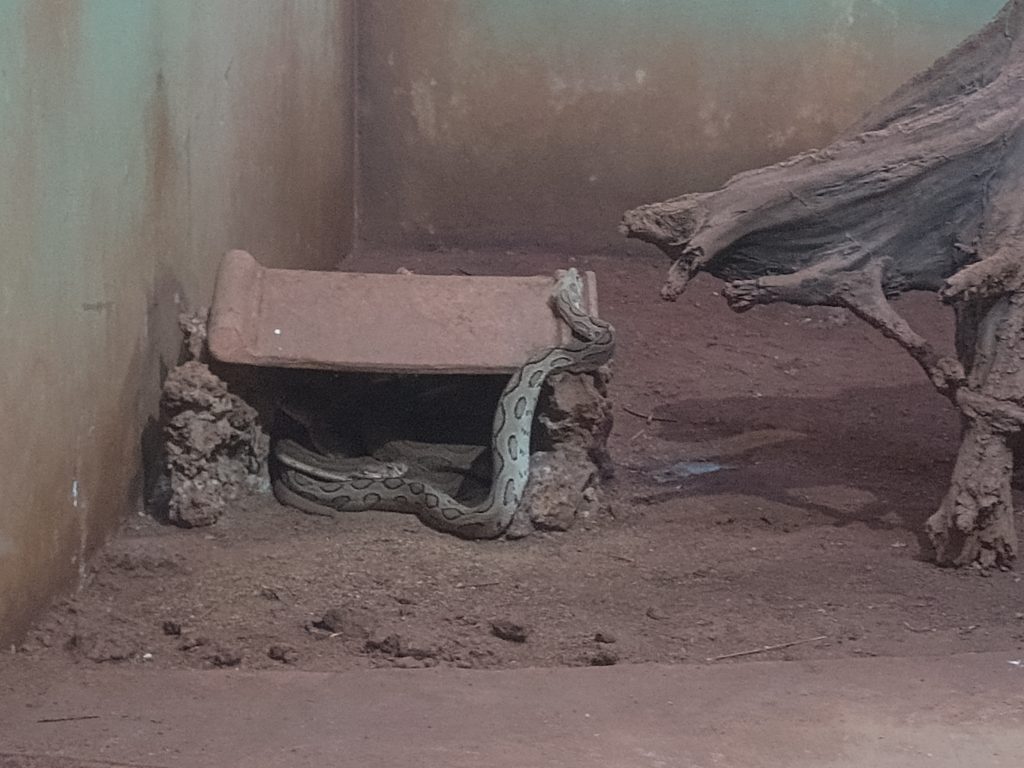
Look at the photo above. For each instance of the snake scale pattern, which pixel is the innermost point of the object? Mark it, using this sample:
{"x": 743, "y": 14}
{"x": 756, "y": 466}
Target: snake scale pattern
{"x": 312, "y": 483}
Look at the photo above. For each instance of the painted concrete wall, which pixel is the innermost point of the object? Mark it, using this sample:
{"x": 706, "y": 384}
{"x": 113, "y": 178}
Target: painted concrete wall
{"x": 139, "y": 140}
{"x": 537, "y": 122}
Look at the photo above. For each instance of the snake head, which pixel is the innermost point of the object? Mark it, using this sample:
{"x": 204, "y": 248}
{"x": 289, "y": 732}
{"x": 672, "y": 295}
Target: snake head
{"x": 569, "y": 288}
{"x": 385, "y": 470}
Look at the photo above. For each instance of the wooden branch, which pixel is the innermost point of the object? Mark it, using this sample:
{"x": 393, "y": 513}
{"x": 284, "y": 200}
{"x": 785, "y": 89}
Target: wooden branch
{"x": 995, "y": 276}
{"x": 832, "y": 283}
{"x": 906, "y": 188}
{"x": 925, "y": 194}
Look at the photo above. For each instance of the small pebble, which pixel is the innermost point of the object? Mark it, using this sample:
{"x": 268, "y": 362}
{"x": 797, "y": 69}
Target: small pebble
{"x": 604, "y": 658}
{"x": 605, "y": 637}
{"x": 346, "y": 623}
{"x": 511, "y": 631}
{"x": 225, "y": 657}
{"x": 193, "y": 642}
{"x": 283, "y": 653}
{"x": 656, "y": 614}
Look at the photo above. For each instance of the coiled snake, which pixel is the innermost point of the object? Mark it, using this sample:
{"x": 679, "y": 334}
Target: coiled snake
{"x": 315, "y": 484}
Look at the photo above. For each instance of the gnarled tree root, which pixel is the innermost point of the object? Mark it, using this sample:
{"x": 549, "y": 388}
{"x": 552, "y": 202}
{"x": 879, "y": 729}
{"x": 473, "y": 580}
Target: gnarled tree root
{"x": 974, "y": 524}
{"x": 924, "y": 194}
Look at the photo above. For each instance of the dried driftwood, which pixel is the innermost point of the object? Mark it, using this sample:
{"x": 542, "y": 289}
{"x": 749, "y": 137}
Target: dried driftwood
{"x": 925, "y": 193}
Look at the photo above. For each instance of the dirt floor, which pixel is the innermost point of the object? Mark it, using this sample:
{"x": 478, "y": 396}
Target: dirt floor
{"x": 832, "y": 449}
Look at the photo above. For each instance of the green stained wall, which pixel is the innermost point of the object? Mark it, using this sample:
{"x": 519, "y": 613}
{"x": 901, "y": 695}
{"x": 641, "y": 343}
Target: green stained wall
{"x": 139, "y": 140}
{"x": 537, "y": 122}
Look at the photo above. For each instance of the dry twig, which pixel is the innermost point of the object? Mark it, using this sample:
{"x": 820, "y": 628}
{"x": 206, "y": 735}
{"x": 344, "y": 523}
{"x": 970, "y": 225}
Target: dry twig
{"x": 768, "y": 648}
{"x": 623, "y": 558}
{"x": 649, "y": 417}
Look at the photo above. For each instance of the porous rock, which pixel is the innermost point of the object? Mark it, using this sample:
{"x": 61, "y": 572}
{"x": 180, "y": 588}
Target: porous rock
{"x": 214, "y": 448}
{"x": 561, "y": 489}
{"x": 575, "y": 411}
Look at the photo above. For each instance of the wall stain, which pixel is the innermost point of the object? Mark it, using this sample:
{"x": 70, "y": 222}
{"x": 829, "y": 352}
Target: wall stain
{"x": 537, "y": 123}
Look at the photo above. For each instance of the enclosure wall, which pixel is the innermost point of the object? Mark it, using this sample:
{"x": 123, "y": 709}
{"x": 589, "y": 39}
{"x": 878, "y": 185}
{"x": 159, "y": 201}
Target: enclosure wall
{"x": 139, "y": 140}
{"x": 537, "y": 122}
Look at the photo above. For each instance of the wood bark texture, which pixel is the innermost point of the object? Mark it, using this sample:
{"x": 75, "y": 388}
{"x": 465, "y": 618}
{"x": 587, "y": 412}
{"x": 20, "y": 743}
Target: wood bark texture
{"x": 926, "y": 193}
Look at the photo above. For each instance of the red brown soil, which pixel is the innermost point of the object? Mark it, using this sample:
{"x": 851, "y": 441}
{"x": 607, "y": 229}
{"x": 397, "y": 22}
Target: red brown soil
{"x": 837, "y": 452}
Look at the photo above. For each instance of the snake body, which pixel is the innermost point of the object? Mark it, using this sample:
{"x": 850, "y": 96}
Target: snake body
{"x": 315, "y": 484}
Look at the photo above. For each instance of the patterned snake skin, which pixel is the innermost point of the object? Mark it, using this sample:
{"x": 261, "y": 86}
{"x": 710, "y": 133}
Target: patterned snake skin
{"x": 310, "y": 482}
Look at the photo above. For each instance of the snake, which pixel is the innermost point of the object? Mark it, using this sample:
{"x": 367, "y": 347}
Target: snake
{"x": 317, "y": 484}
